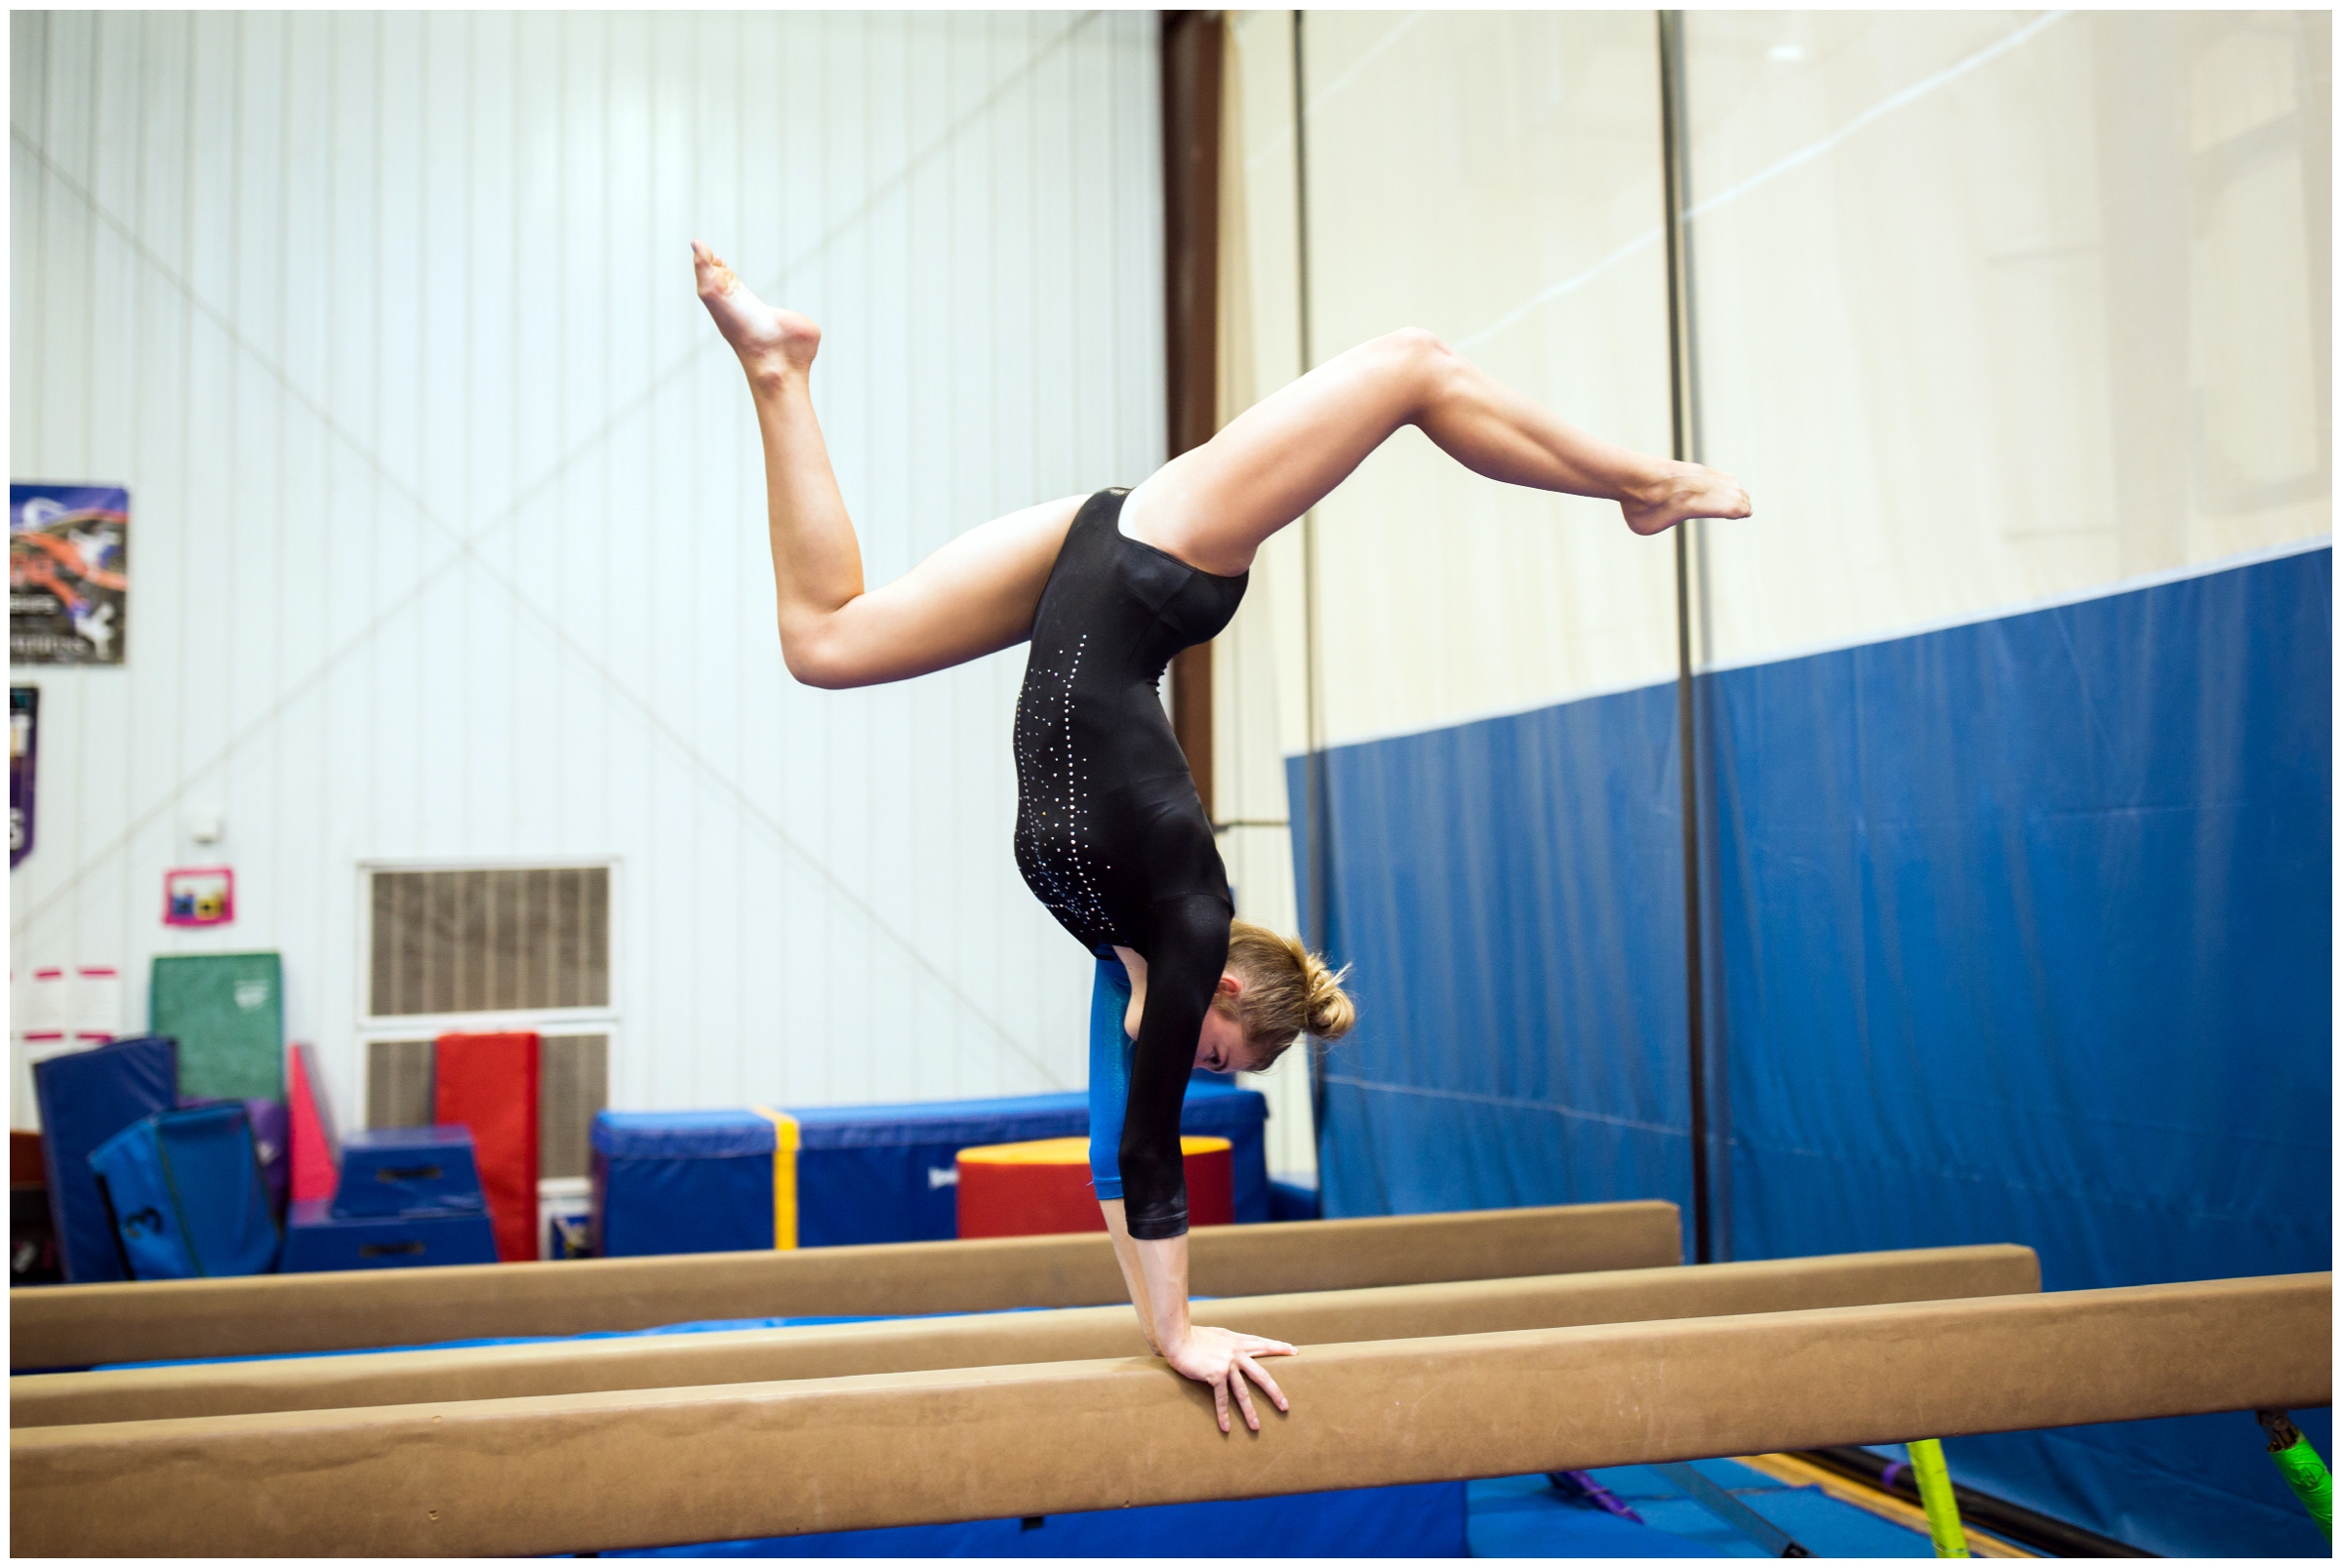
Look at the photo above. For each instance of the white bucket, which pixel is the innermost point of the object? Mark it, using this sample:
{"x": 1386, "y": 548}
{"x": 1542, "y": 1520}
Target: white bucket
{"x": 564, "y": 1217}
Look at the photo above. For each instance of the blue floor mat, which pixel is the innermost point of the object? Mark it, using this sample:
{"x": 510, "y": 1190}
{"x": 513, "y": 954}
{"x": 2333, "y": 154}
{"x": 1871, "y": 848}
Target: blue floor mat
{"x": 1388, "y": 1521}
{"x": 1523, "y": 1516}
{"x": 1519, "y": 1516}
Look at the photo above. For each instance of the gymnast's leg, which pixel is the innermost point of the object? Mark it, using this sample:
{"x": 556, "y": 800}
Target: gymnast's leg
{"x": 1214, "y": 506}
{"x": 974, "y": 596}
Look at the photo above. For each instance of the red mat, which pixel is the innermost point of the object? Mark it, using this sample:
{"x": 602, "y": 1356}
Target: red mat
{"x": 1043, "y": 1188}
{"x": 488, "y": 1083}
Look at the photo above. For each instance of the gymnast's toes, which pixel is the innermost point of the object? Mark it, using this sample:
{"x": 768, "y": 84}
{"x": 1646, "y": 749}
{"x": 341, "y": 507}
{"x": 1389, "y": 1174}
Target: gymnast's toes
{"x": 1685, "y": 490}
{"x": 765, "y": 338}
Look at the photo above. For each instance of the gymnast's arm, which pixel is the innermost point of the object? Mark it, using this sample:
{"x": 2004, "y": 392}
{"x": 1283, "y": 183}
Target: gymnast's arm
{"x": 1134, "y": 1277}
{"x": 1188, "y": 952}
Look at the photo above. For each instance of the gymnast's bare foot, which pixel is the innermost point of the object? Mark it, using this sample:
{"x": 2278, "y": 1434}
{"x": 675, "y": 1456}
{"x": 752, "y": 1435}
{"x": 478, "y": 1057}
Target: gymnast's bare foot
{"x": 1682, "y": 490}
{"x": 770, "y": 342}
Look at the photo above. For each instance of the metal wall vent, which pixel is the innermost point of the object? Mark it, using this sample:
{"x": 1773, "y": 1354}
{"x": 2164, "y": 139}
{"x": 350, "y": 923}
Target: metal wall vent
{"x": 489, "y": 941}
{"x": 398, "y": 1083}
{"x": 572, "y": 1086}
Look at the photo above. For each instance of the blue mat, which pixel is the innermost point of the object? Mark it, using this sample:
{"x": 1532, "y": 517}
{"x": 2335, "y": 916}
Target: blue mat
{"x": 1518, "y": 1516}
{"x": 1523, "y": 1516}
{"x": 87, "y": 1096}
{"x": 1388, "y": 1521}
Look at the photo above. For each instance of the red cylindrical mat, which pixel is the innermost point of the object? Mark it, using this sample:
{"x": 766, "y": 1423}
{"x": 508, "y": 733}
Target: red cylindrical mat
{"x": 1043, "y": 1188}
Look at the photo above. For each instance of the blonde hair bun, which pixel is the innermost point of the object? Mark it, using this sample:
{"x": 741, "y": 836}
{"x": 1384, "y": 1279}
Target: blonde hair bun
{"x": 1288, "y": 991}
{"x": 1328, "y": 1006}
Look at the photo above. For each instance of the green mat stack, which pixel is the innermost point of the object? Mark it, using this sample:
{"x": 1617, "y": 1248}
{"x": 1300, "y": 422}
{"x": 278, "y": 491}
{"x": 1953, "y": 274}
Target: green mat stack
{"x": 228, "y": 1012}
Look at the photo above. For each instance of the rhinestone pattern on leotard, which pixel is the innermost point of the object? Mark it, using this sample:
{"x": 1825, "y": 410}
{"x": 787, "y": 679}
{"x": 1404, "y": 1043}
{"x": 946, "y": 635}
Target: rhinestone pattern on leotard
{"x": 1050, "y": 843}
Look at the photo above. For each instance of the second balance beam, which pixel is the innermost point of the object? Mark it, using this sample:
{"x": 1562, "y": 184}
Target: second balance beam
{"x": 1008, "y": 1338}
{"x": 54, "y": 1326}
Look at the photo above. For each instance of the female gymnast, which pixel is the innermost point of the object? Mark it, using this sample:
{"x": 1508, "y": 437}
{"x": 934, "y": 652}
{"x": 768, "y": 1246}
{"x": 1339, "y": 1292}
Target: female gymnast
{"x": 1110, "y": 833}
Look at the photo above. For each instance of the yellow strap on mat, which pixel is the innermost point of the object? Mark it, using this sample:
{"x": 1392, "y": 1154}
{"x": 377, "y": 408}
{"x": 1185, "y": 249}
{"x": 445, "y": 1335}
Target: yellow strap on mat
{"x": 785, "y": 1177}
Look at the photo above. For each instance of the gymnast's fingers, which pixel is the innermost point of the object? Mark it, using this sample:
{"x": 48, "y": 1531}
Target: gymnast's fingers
{"x": 1220, "y": 1400}
{"x": 1267, "y": 1382}
{"x": 1236, "y": 1381}
{"x": 1254, "y": 1345}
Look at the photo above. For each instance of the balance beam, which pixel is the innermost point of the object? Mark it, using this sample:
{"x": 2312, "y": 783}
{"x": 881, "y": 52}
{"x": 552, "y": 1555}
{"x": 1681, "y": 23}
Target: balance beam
{"x": 82, "y": 1326}
{"x": 598, "y": 1472}
{"x": 1010, "y": 1339}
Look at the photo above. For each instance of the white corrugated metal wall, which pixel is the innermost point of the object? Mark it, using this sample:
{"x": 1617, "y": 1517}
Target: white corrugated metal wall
{"x": 447, "y": 511}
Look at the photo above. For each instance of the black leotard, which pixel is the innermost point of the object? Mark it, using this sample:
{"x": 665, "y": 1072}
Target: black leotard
{"x": 1110, "y": 833}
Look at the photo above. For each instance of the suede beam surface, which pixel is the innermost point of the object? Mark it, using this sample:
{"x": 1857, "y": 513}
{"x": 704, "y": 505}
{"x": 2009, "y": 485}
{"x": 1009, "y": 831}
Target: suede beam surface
{"x": 1075, "y": 1333}
{"x": 596, "y": 1471}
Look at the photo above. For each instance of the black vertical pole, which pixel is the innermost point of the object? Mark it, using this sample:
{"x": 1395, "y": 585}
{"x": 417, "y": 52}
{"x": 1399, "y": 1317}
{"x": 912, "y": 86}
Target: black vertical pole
{"x": 1193, "y": 45}
{"x": 1674, "y": 156}
{"x": 1314, "y": 895}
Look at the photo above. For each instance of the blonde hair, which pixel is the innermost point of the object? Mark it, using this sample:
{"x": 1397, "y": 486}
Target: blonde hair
{"x": 1288, "y": 991}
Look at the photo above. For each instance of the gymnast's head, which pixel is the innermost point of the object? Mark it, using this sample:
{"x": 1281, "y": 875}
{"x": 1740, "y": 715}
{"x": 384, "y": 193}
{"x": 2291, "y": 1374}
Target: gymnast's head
{"x": 1274, "y": 992}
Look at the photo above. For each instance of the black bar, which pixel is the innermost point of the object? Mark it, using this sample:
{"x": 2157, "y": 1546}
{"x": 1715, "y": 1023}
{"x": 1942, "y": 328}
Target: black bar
{"x": 1314, "y": 900}
{"x": 2011, "y": 1521}
{"x": 1678, "y": 339}
{"x": 1191, "y": 48}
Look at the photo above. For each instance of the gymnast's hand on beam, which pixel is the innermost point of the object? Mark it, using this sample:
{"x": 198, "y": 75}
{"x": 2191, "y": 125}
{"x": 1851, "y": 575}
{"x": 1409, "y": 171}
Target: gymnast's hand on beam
{"x": 1223, "y": 1358}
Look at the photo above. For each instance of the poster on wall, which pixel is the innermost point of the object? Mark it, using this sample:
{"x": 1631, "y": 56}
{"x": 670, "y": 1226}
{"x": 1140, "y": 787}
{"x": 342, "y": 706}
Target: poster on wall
{"x": 199, "y": 895}
{"x": 68, "y": 574}
{"x": 23, "y": 735}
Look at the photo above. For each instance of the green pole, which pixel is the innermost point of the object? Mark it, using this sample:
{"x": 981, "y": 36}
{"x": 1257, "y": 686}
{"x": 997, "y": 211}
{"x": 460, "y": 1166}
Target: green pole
{"x": 1935, "y": 1495}
{"x": 2298, "y": 1463}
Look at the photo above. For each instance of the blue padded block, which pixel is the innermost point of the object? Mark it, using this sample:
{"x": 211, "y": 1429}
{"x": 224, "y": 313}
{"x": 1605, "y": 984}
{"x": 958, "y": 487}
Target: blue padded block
{"x": 407, "y": 1170}
{"x": 315, "y": 1241}
{"x": 682, "y": 1181}
{"x": 888, "y": 1173}
{"x": 1291, "y": 1200}
{"x": 1381, "y": 1521}
{"x": 86, "y": 1097}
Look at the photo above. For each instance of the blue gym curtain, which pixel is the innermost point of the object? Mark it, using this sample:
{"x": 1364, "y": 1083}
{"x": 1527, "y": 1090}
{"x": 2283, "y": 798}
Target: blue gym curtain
{"x": 2018, "y": 930}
